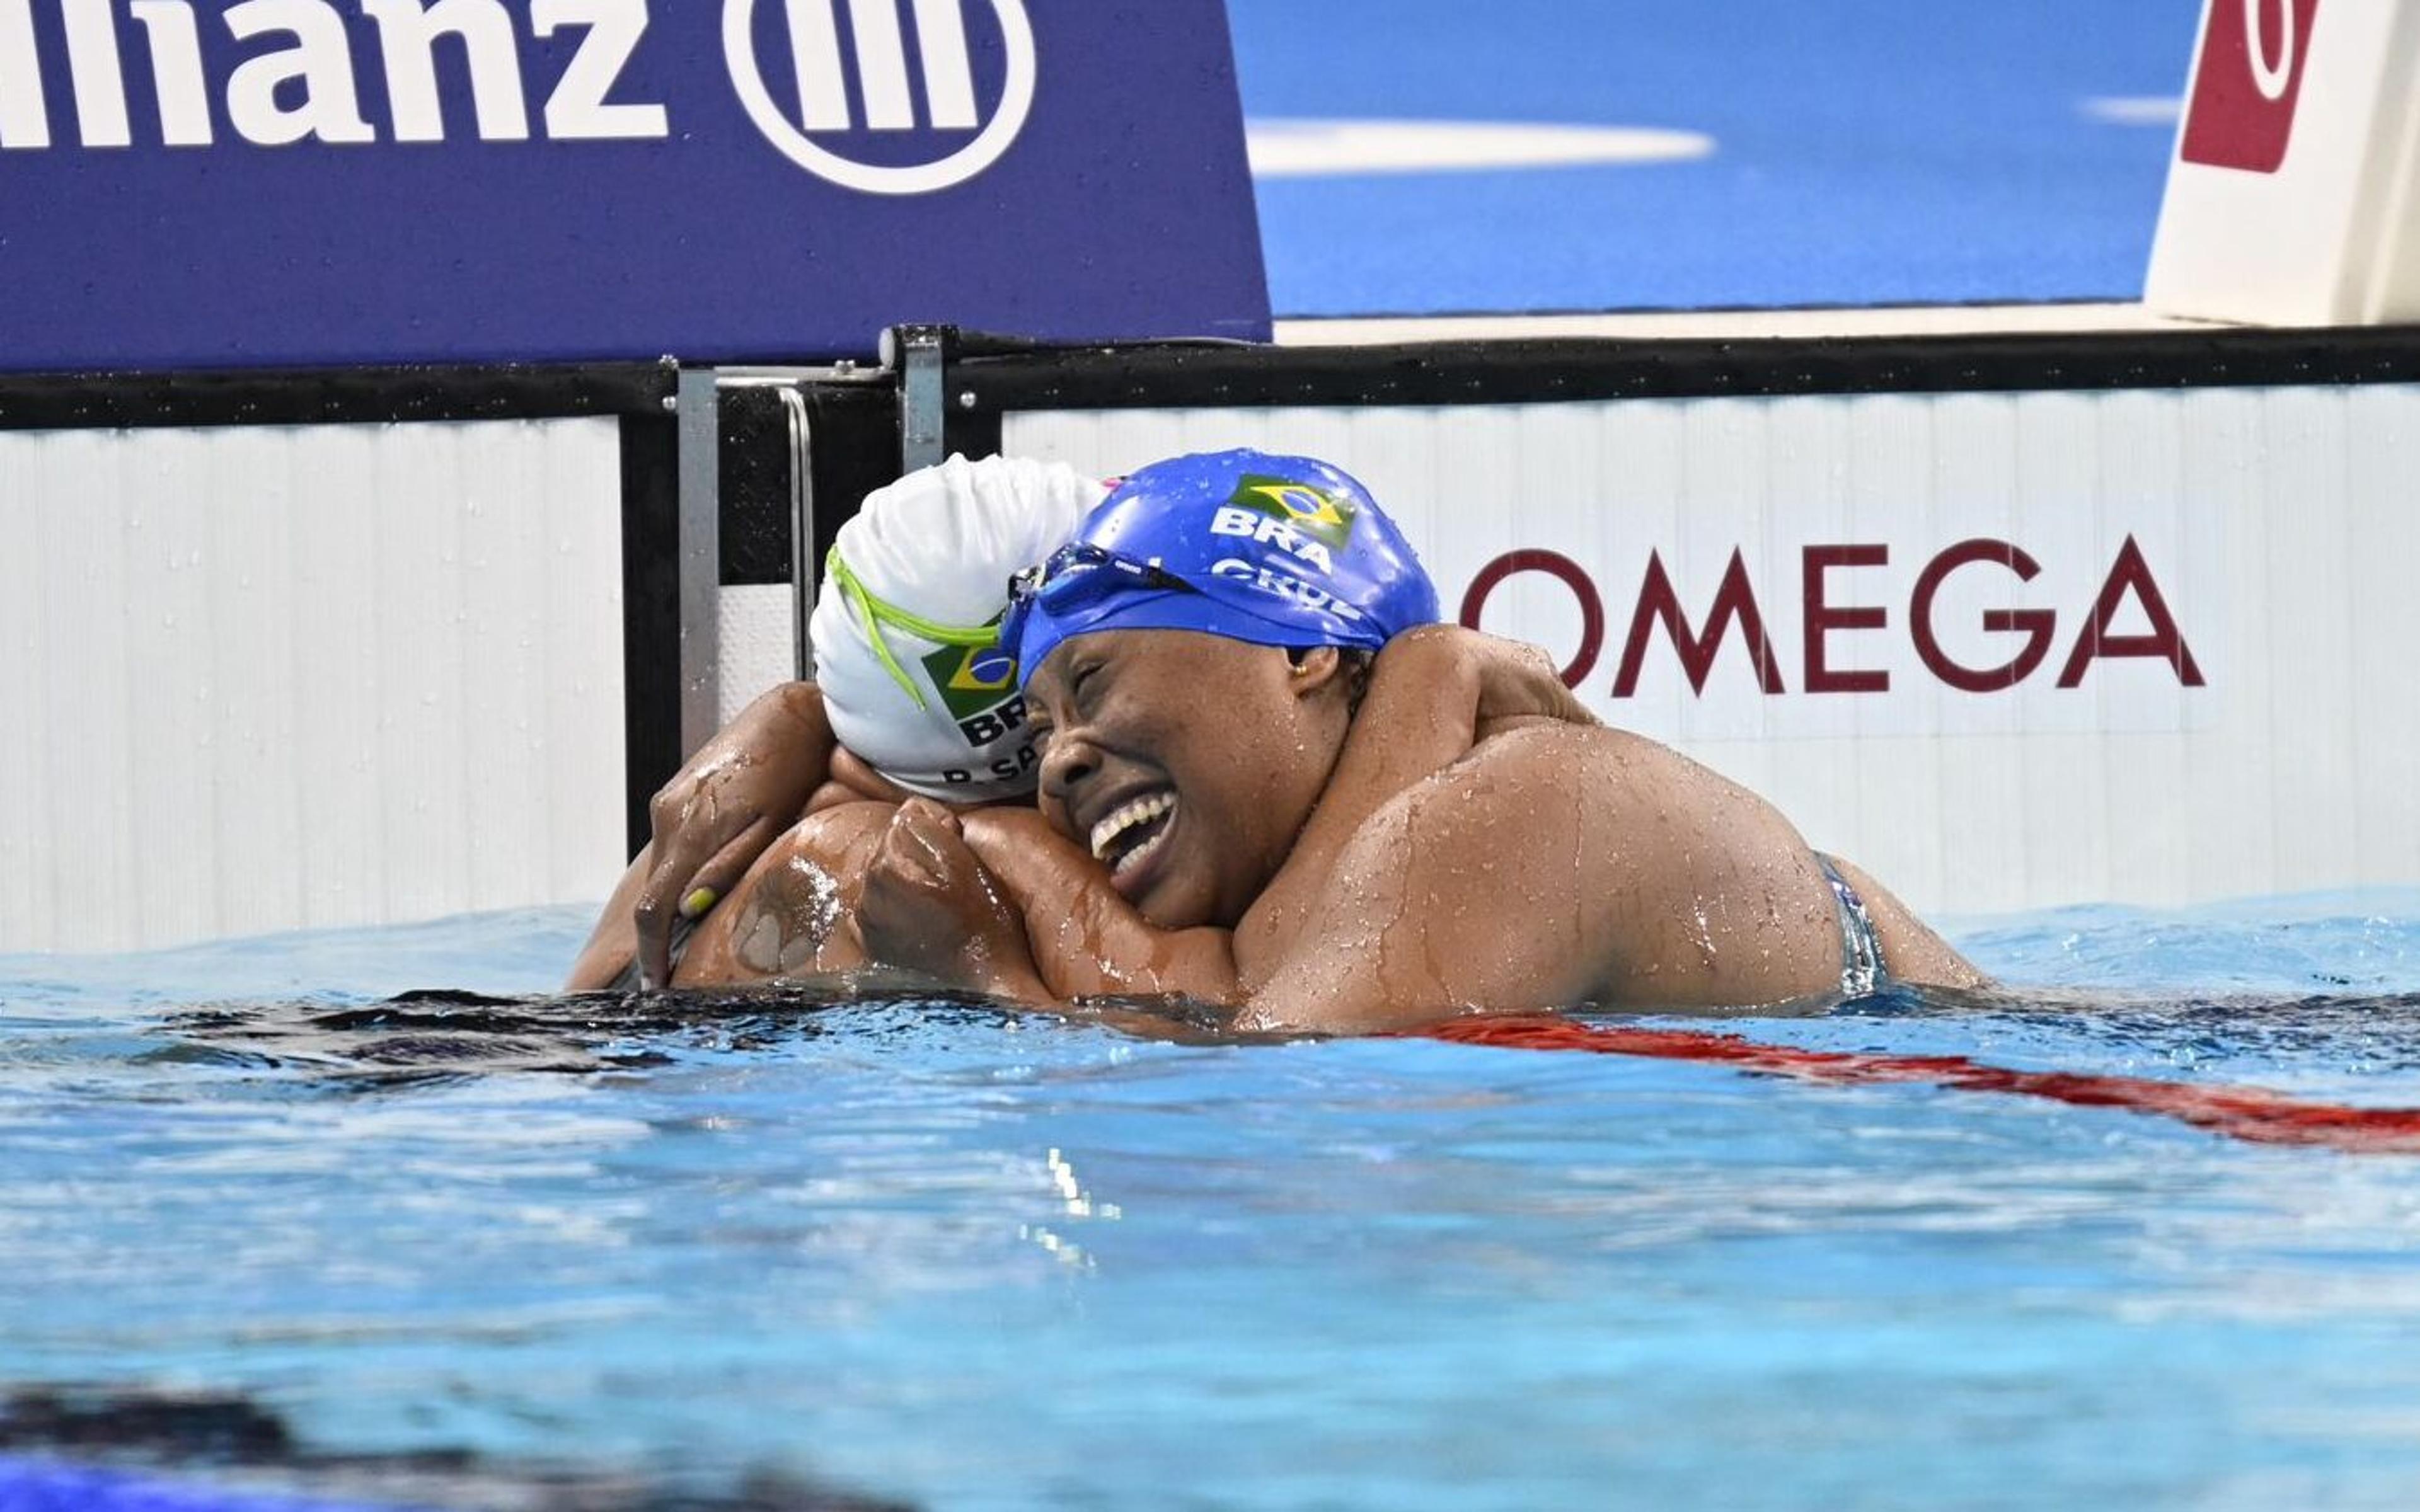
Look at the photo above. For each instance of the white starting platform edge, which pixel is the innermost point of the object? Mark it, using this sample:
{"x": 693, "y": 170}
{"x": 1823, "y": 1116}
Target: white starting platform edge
{"x": 2293, "y": 196}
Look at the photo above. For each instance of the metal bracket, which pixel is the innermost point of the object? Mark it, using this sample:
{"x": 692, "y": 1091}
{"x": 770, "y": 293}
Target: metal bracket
{"x": 920, "y": 355}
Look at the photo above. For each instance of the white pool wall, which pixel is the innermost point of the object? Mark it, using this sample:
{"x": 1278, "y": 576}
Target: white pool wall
{"x": 271, "y": 677}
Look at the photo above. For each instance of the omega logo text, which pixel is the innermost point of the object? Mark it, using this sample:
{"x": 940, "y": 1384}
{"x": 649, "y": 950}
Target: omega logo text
{"x": 2028, "y": 637}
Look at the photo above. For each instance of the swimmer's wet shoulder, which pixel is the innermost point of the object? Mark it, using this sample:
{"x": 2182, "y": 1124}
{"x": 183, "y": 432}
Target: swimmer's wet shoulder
{"x": 1559, "y": 866}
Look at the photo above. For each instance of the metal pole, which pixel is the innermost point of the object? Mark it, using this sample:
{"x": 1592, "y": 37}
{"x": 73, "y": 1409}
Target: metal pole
{"x": 701, "y": 557}
{"x": 806, "y": 570}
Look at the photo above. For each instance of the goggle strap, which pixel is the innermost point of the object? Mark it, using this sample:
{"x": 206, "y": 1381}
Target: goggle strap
{"x": 874, "y": 612}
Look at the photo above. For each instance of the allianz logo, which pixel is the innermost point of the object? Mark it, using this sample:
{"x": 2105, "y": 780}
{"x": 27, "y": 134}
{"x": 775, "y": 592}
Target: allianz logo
{"x": 856, "y": 89}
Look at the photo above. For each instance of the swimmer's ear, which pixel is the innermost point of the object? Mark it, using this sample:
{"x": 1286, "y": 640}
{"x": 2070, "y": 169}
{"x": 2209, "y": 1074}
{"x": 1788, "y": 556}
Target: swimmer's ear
{"x": 1317, "y": 669}
{"x": 1310, "y": 661}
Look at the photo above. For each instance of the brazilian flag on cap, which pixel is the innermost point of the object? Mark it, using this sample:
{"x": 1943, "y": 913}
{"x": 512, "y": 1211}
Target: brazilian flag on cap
{"x": 1322, "y": 513}
{"x": 971, "y": 680}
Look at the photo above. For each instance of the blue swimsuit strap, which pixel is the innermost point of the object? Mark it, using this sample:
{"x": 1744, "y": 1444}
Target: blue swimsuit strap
{"x": 1861, "y": 949}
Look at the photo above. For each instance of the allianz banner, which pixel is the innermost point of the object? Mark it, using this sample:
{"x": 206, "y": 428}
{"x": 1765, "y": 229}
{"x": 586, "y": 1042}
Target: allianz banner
{"x": 216, "y": 183}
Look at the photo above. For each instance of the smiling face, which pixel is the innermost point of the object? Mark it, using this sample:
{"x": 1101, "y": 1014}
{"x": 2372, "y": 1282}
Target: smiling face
{"x": 1187, "y": 763}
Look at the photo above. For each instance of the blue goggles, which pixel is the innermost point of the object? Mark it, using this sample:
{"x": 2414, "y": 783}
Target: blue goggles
{"x": 1077, "y": 576}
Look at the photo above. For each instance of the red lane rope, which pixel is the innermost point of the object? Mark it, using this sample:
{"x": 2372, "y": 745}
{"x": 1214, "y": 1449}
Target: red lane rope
{"x": 2246, "y": 1113}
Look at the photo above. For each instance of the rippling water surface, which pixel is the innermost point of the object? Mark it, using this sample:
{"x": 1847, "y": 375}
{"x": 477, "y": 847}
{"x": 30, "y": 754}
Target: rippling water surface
{"x": 508, "y": 1251}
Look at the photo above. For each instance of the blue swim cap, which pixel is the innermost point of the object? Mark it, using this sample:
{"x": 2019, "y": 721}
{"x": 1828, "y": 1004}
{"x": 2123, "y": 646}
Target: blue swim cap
{"x": 1275, "y": 550}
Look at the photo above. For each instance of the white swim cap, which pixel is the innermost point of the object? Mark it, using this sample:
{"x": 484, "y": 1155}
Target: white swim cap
{"x": 906, "y": 627}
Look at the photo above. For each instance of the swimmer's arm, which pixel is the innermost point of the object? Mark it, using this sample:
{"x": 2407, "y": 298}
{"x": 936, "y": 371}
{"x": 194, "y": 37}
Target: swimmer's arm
{"x": 1086, "y": 940}
{"x": 1486, "y": 887}
{"x": 615, "y": 942}
{"x": 740, "y": 790}
{"x": 1432, "y": 691}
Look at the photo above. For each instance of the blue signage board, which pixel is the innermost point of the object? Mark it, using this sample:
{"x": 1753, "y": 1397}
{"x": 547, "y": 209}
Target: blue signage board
{"x": 230, "y": 183}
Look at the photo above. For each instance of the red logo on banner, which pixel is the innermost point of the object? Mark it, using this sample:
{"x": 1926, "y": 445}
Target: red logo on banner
{"x": 2250, "y": 75}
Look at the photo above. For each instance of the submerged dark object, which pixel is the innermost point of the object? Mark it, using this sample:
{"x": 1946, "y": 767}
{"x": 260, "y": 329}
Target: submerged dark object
{"x": 134, "y": 1450}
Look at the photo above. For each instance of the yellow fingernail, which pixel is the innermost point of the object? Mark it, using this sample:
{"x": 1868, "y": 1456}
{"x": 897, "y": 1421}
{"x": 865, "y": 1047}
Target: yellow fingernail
{"x": 699, "y": 902}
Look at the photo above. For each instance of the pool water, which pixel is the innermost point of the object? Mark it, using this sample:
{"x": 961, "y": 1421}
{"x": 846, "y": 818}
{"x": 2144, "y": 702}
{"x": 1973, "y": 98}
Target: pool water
{"x": 741, "y": 1250}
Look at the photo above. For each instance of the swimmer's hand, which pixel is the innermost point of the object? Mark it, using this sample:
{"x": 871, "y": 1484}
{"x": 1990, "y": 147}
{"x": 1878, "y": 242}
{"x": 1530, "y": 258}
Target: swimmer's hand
{"x": 1086, "y": 941}
{"x": 1518, "y": 683}
{"x": 740, "y": 790}
{"x": 929, "y": 906}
